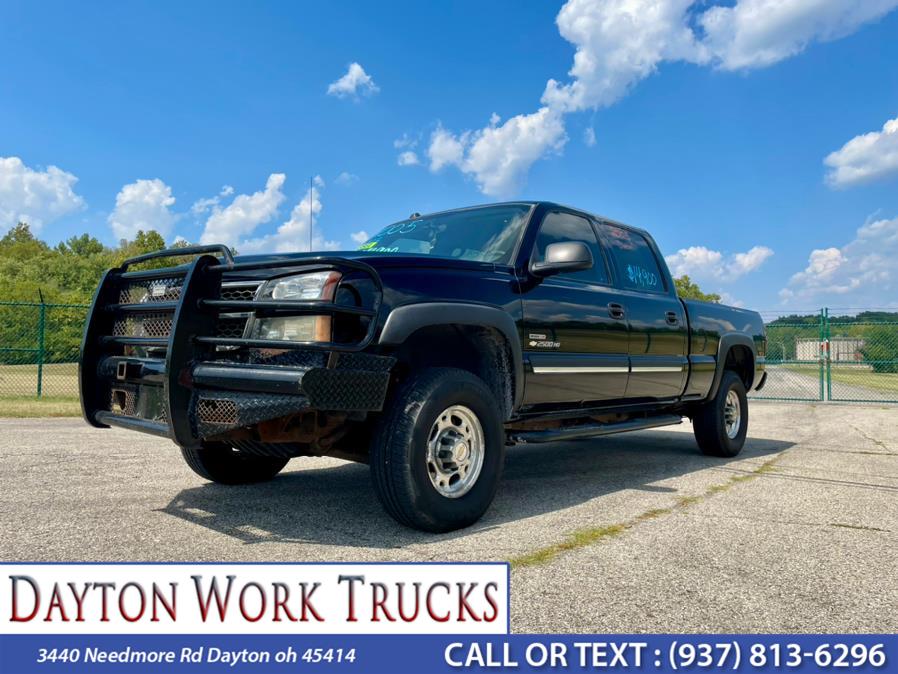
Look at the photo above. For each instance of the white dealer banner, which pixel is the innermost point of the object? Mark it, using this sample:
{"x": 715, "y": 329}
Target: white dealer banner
{"x": 254, "y": 598}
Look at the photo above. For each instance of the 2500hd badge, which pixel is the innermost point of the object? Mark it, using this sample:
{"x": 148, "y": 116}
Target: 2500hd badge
{"x": 440, "y": 342}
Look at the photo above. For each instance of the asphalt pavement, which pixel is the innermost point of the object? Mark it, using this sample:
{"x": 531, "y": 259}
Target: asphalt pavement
{"x": 636, "y": 532}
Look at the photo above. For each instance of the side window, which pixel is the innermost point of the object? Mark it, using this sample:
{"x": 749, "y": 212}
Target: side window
{"x": 561, "y": 227}
{"x": 633, "y": 258}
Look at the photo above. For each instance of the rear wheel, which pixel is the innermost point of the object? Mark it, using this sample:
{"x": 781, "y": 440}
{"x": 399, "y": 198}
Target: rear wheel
{"x": 438, "y": 451}
{"x": 721, "y": 424}
{"x": 225, "y": 465}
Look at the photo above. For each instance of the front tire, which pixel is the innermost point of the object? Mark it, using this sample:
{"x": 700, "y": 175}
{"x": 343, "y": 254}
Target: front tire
{"x": 438, "y": 451}
{"x": 721, "y": 424}
{"x": 223, "y": 464}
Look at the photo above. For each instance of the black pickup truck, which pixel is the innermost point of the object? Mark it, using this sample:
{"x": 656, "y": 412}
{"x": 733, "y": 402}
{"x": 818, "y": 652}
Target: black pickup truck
{"x": 424, "y": 353}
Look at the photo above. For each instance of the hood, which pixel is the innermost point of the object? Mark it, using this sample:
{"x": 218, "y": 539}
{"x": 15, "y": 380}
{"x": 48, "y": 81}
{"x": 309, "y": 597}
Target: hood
{"x": 376, "y": 260}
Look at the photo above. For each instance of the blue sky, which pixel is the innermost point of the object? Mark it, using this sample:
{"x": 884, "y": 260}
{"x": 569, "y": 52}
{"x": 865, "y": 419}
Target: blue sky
{"x": 711, "y": 123}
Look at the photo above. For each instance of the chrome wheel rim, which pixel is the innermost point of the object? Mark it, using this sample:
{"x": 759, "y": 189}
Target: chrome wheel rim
{"x": 732, "y": 414}
{"x": 455, "y": 449}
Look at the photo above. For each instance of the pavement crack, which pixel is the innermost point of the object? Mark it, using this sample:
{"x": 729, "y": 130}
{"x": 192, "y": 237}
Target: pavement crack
{"x": 857, "y": 526}
{"x": 879, "y": 443}
{"x": 582, "y": 538}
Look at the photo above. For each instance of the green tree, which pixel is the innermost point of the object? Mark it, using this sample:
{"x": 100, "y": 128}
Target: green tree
{"x": 67, "y": 273}
{"x": 689, "y": 290}
{"x": 19, "y": 242}
{"x": 84, "y": 245}
{"x": 881, "y": 348}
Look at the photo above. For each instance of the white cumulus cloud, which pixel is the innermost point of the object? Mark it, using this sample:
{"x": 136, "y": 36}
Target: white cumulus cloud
{"x": 589, "y": 137}
{"x": 360, "y": 237}
{"x": 143, "y": 205}
{"x": 33, "y": 196}
{"x": 864, "y": 272}
{"x": 408, "y": 158}
{"x": 346, "y": 179}
{"x": 499, "y": 156}
{"x": 204, "y": 205}
{"x": 619, "y": 43}
{"x": 759, "y": 33}
{"x": 865, "y": 158}
{"x": 354, "y": 84}
{"x": 406, "y": 141}
{"x": 700, "y": 262}
{"x": 293, "y": 235}
{"x": 246, "y": 212}
{"x": 445, "y": 149}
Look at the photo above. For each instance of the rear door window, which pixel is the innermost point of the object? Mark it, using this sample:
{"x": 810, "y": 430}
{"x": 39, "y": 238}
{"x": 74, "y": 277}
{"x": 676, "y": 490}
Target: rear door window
{"x": 561, "y": 227}
{"x": 633, "y": 259}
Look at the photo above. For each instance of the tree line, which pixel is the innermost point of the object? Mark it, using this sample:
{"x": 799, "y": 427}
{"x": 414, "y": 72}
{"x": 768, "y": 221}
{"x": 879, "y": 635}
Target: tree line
{"x": 68, "y": 273}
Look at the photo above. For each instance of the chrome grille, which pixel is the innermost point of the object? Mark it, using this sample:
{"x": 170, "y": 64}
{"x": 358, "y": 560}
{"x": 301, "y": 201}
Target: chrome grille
{"x": 233, "y": 325}
{"x": 243, "y": 292}
{"x": 230, "y": 326}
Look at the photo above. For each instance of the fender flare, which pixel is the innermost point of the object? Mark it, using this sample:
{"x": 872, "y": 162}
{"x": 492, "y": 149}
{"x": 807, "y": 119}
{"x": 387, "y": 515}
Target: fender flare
{"x": 728, "y": 341}
{"x": 404, "y": 320}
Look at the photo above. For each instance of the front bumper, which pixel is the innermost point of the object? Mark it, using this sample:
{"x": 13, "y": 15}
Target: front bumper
{"x": 162, "y": 366}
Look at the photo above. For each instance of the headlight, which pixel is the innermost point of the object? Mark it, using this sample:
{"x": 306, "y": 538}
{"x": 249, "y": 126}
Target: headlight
{"x": 320, "y": 285}
{"x": 301, "y": 287}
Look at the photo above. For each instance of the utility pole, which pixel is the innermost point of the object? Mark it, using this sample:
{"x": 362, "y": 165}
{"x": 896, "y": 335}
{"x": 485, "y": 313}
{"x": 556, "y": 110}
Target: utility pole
{"x": 311, "y": 209}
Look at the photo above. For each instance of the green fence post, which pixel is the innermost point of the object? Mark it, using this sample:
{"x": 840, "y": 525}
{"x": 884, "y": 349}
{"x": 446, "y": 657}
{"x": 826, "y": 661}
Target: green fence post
{"x": 829, "y": 355}
{"x": 821, "y": 351}
{"x": 41, "y": 325}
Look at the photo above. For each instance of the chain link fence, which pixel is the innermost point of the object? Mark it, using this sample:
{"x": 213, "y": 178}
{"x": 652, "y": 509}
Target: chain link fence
{"x": 39, "y": 346}
{"x": 825, "y": 357}
{"x": 815, "y": 357}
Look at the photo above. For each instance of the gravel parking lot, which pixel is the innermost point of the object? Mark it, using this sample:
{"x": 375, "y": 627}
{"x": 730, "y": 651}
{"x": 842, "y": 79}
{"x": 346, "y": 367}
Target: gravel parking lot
{"x": 635, "y": 532}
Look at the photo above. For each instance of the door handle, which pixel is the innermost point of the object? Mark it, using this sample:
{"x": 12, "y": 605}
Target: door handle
{"x": 615, "y": 310}
{"x": 672, "y": 318}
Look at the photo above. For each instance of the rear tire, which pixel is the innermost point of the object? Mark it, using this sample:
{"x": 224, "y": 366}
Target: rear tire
{"x": 438, "y": 451}
{"x": 721, "y": 424}
{"x": 223, "y": 464}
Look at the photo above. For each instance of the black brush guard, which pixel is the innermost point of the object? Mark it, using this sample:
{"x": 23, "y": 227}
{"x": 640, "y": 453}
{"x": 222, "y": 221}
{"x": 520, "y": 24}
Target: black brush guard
{"x": 196, "y": 391}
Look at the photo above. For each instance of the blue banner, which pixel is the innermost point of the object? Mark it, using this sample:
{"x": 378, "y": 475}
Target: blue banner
{"x": 379, "y": 654}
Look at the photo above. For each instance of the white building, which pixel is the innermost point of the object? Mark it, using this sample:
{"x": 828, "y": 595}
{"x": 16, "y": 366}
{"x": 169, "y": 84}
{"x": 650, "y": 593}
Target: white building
{"x": 841, "y": 349}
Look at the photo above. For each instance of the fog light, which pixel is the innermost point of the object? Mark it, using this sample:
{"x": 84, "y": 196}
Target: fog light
{"x": 295, "y": 328}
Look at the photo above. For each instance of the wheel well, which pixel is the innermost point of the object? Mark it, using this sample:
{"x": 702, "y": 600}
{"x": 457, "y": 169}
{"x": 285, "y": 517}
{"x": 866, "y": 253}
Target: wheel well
{"x": 741, "y": 361}
{"x": 482, "y": 351}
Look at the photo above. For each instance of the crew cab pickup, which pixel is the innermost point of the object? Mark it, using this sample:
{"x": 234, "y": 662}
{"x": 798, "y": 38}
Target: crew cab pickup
{"x": 439, "y": 342}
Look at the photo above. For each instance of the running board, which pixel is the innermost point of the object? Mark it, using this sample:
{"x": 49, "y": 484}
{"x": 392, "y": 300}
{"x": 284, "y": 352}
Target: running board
{"x": 591, "y": 430}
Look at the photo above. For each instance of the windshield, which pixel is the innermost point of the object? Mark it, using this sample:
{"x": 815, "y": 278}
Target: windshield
{"x": 486, "y": 234}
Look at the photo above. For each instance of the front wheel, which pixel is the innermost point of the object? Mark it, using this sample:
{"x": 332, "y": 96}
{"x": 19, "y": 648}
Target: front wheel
{"x": 225, "y": 465}
{"x": 721, "y": 424}
{"x": 438, "y": 451}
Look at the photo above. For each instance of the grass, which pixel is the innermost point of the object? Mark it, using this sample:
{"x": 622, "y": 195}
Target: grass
{"x": 852, "y": 376}
{"x": 30, "y": 406}
{"x": 577, "y": 539}
{"x": 582, "y": 538}
{"x": 18, "y": 391}
{"x": 59, "y": 379}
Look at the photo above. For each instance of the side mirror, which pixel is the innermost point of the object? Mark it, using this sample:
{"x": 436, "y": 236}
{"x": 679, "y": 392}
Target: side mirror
{"x": 562, "y": 257}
